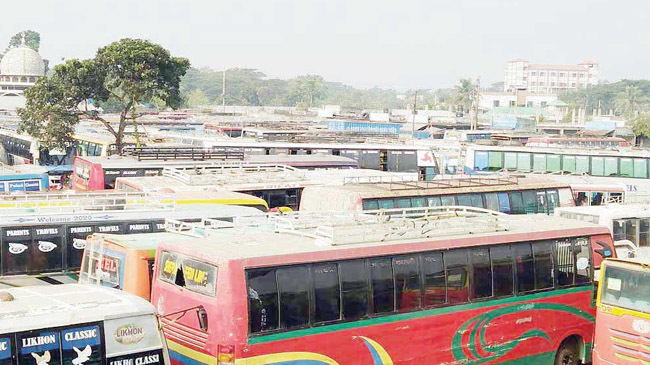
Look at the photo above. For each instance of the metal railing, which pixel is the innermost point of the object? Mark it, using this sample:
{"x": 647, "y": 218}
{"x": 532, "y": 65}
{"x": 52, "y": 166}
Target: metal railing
{"x": 185, "y": 153}
{"x": 234, "y": 173}
{"x": 409, "y": 183}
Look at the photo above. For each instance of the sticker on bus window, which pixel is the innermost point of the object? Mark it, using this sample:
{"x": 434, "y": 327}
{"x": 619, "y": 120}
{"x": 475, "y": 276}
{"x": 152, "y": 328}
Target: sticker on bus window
{"x": 5, "y": 351}
{"x": 81, "y": 346}
{"x": 39, "y": 348}
{"x": 614, "y": 284}
{"x": 142, "y": 358}
{"x": 199, "y": 277}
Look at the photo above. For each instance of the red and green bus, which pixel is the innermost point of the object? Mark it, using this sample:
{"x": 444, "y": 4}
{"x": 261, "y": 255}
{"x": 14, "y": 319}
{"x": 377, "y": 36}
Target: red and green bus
{"x": 452, "y": 290}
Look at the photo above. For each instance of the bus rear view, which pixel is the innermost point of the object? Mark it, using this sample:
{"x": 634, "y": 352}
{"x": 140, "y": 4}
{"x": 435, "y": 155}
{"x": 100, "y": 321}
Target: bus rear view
{"x": 623, "y": 313}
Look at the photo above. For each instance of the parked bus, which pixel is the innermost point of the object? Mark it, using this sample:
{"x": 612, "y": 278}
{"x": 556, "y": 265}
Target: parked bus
{"x": 623, "y": 310}
{"x": 99, "y": 173}
{"x": 629, "y": 224}
{"x": 277, "y": 185}
{"x": 372, "y": 290}
{"x": 592, "y": 194}
{"x": 78, "y": 325}
{"x": 509, "y": 195}
{"x": 43, "y": 244}
{"x": 632, "y": 164}
{"x": 588, "y": 142}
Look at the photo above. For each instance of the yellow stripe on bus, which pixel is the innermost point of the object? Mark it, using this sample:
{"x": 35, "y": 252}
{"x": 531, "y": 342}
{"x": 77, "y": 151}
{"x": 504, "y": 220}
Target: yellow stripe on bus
{"x": 192, "y": 354}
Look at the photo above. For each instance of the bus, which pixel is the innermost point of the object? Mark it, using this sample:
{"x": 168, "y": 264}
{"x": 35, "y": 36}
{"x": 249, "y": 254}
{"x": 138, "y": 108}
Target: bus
{"x": 42, "y": 242}
{"x": 623, "y": 312}
{"x": 357, "y": 289}
{"x": 99, "y": 173}
{"x": 277, "y": 185}
{"x": 78, "y": 325}
{"x": 629, "y": 224}
{"x": 507, "y": 194}
{"x": 588, "y": 142}
{"x": 611, "y": 164}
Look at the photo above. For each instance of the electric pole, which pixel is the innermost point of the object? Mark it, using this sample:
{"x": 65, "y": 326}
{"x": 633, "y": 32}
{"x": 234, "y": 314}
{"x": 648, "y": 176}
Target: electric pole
{"x": 415, "y": 107}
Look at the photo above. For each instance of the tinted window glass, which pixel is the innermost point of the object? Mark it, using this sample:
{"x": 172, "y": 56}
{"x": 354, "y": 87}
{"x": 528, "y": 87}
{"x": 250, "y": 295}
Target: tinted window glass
{"x": 418, "y": 202}
{"x": 565, "y": 262}
{"x": 524, "y": 267}
{"x": 370, "y": 205}
{"x": 294, "y": 300}
{"x": 407, "y": 282}
{"x": 504, "y": 202}
{"x": 553, "y": 200}
{"x": 542, "y": 206}
{"x": 529, "y": 201}
{"x": 502, "y": 270}
{"x": 327, "y": 295}
{"x": 386, "y": 204}
{"x": 262, "y": 300}
{"x": 543, "y": 252}
{"x": 381, "y": 273}
{"x": 448, "y": 200}
{"x": 433, "y": 201}
{"x": 465, "y": 200}
{"x": 404, "y": 202}
{"x": 457, "y": 267}
{"x": 492, "y": 201}
{"x": 435, "y": 290}
{"x": 354, "y": 288}
{"x": 481, "y": 273}
{"x": 516, "y": 203}
{"x": 583, "y": 260}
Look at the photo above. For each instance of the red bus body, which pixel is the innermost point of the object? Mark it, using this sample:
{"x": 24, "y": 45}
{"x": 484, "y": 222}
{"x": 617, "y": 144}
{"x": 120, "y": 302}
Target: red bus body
{"x": 511, "y": 329}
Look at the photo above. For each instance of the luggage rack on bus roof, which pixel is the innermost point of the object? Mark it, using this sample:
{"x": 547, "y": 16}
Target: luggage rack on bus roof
{"x": 51, "y": 203}
{"x": 234, "y": 173}
{"x": 185, "y": 153}
{"x": 408, "y": 183}
{"x": 343, "y": 228}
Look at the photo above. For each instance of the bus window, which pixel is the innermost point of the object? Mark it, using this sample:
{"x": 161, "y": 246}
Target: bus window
{"x": 418, "y": 202}
{"x": 448, "y": 200}
{"x": 524, "y": 267}
{"x": 262, "y": 300}
{"x": 553, "y": 200}
{"x": 631, "y": 229}
{"x": 517, "y": 203}
{"x": 354, "y": 288}
{"x": 327, "y": 295}
{"x": 492, "y": 201}
{"x": 481, "y": 273}
{"x": 407, "y": 282}
{"x": 383, "y": 288}
{"x": 386, "y": 204}
{"x": 529, "y": 201}
{"x": 626, "y": 288}
{"x": 435, "y": 291}
{"x": 543, "y": 256}
{"x": 502, "y": 270}
{"x": 465, "y": 200}
{"x": 433, "y": 201}
{"x": 504, "y": 203}
{"x": 582, "y": 250}
{"x": 619, "y": 230}
{"x": 644, "y": 232}
{"x": 542, "y": 206}
{"x": 477, "y": 200}
{"x": 457, "y": 268}
{"x": 403, "y": 202}
{"x": 565, "y": 262}
{"x": 370, "y": 204}
{"x": 294, "y": 302}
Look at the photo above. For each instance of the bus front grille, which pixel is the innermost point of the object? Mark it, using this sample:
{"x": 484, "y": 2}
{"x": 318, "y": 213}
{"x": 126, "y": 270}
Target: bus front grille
{"x": 630, "y": 347}
{"x": 179, "y": 332}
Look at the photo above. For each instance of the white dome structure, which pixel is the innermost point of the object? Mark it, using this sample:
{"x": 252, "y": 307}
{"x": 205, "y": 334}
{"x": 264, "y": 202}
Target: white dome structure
{"x": 22, "y": 61}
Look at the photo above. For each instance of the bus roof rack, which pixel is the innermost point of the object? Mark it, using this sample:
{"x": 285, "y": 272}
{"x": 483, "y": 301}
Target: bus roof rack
{"x": 408, "y": 183}
{"x": 50, "y": 203}
{"x": 185, "y": 153}
{"x": 344, "y": 228}
{"x": 233, "y": 173}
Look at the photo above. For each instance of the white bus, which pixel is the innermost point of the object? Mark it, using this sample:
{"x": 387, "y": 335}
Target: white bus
{"x": 78, "y": 325}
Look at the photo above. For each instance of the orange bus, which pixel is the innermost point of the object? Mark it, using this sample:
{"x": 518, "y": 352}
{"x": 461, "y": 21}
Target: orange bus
{"x": 623, "y": 312}
{"x": 381, "y": 289}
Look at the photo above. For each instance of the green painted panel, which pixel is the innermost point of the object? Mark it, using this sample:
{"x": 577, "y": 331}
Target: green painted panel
{"x": 640, "y": 167}
{"x": 553, "y": 163}
{"x": 495, "y": 161}
{"x": 523, "y": 161}
{"x": 539, "y": 162}
{"x": 510, "y": 160}
{"x": 611, "y": 166}
{"x": 569, "y": 163}
{"x": 582, "y": 164}
{"x": 597, "y": 166}
{"x": 627, "y": 167}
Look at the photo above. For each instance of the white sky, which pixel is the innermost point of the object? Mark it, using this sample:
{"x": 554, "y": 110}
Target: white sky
{"x": 395, "y": 43}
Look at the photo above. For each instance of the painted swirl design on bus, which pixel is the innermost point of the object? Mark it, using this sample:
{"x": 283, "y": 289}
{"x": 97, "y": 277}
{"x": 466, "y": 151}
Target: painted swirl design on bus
{"x": 482, "y": 352}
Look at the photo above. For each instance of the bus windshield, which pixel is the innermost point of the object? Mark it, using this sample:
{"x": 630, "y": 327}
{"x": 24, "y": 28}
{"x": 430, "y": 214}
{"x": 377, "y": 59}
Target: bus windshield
{"x": 627, "y": 288}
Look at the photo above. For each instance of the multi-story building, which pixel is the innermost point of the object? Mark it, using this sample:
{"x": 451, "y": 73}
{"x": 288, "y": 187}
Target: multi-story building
{"x": 549, "y": 79}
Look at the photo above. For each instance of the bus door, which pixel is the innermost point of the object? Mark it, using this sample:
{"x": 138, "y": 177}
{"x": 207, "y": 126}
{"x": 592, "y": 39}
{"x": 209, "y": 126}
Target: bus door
{"x": 383, "y": 160}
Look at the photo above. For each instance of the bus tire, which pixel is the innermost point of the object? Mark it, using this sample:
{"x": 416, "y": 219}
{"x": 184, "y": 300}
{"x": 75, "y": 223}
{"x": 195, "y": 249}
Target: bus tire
{"x": 568, "y": 353}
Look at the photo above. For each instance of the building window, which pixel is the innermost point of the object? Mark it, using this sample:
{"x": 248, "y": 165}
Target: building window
{"x": 561, "y": 74}
{"x": 495, "y": 103}
{"x": 552, "y": 84}
{"x": 581, "y": 75}
{"x": 533, "y": 83}
{"x": 552, "y": 74}
{"x": 541, "y": 73}
{"x": 529, "y": 104}
{"x": 532, "y": 73}
{"x": 543, "y": 104}
{"x": 573, "y": 75}
{"x": 512, "y": 103}
{"x": 541, "y": 84}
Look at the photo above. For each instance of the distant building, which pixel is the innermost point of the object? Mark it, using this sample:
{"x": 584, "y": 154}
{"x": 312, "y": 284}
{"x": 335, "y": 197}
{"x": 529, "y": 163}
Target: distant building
{"x": 519, "y": 97}
{"x": 20, "y": 67}
{"x": 549, "y": 79}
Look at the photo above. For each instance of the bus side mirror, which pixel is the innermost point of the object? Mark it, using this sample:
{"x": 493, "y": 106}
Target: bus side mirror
{"x": 605, "y": 251}
{"x": 203, "y": 319}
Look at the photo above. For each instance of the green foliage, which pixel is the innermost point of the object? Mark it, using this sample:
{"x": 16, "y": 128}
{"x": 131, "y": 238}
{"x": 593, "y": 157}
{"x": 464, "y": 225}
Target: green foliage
{"x": 606, "y": 94}
{"x": 197, "y": 98}
{"x": 462, "y": 94}
{"x": 641, "y": 126}
{"x": 120, "y": 76}
{"x": 32, "y": 39}
{"x": 306, "y": 89}
{"x": 630, "y": 101}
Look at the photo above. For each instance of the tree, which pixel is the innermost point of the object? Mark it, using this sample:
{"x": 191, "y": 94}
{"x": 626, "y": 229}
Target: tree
{"x": 462, "y": 94}
{"x": 32, "y": 39}
{"x": 629, "y": 102}
{"x": 307, "y": 89}
{"x": 197, "y": 98}
{"x": 122, "y": 74}
{"x": 641, "y": 127}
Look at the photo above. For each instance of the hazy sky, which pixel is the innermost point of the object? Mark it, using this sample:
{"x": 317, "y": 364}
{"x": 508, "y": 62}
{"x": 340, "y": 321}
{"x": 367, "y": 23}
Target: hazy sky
{"x": 398, "y": 43}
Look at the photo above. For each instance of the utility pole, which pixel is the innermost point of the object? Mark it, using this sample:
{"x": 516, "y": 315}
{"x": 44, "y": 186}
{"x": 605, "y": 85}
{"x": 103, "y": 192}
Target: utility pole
{"x": 415, "y": 108}
{"x": 475, "y": 102}
{"x": 223, "y": 91}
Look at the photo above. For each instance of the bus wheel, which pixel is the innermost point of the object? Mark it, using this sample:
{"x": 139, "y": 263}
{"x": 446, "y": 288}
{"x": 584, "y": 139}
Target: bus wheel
{"x": 568, "y": 353}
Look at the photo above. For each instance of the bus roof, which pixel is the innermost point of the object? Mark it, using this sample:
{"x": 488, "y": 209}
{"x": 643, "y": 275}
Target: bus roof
{"x": 380, "y": 189}
{"x": 563, "y": 151}
{"x": 62, "y": 305}
{"x": 614, "y": 211}
{"x": 140, "y": 241}
{"x": 250, "y": 244}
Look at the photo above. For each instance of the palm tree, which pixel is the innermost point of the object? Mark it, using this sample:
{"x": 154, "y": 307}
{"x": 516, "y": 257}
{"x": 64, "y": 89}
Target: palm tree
{"x": 630, "y": 101}
{"x": 462, "y": 94}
